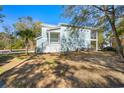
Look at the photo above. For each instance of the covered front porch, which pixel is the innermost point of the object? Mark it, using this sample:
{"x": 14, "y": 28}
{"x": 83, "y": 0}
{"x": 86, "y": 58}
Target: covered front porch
{"x": 52, "y": 42}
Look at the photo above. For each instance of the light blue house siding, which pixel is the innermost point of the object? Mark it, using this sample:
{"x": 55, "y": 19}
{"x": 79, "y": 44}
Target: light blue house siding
{"x": 61, "y": 39}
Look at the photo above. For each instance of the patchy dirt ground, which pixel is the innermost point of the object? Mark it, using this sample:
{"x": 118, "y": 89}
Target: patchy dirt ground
{"x": 84, "y": 69}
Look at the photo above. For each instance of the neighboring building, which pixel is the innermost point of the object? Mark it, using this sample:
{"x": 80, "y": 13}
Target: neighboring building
{"x": 61, "y": 39}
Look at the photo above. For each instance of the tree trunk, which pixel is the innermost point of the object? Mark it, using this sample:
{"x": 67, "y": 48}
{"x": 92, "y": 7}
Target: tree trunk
{"x": 26, "y": 46}
{"x": 31, "y": 43}
{"x": 10, "y": 44}
{"x": 112, "y": 23}
{"x": 118, "y": 43}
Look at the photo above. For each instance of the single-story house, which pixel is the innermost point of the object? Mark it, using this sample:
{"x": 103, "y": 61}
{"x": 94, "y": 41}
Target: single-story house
{"x": 62, "y": 38}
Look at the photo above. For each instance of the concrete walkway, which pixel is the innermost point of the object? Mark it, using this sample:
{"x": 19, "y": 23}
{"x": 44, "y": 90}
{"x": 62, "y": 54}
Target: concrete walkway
{"x": 15, "y": 62}
{"x": 11, "y": 64}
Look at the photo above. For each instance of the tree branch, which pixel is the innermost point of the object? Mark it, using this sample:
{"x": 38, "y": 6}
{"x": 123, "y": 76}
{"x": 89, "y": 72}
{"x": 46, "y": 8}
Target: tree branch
{"x": 103, "y": 10}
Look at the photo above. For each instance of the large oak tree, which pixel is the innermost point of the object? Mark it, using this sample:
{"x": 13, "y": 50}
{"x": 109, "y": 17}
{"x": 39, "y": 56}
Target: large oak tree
{"x": 102, "y": 16}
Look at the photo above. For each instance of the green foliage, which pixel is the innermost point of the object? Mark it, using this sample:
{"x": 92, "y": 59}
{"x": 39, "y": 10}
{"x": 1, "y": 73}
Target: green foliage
{"x": 1, "y": 70}
{"x": 6, "y": 37}
{"x": 4, "y": 40}
{"x": 19, "y": 44}
{"x": 98, "y": 16}
{"x": 27, "y": 30}
{"x": 92, "y": 15}
{"x": 100, "y": 37}
{"x": 120, "y": 27}
{"x": 2, "y": 45}
{"x": 18, "y": 35}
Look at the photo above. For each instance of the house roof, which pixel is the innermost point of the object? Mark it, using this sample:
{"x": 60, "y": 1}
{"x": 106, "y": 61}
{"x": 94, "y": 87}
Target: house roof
{"x": 67, "y": 25}
{"x": 83, "y": 27}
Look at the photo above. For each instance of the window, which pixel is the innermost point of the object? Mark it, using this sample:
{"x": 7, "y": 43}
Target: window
{"x": 93, "y": 35}
{"x": 54, "y": 37}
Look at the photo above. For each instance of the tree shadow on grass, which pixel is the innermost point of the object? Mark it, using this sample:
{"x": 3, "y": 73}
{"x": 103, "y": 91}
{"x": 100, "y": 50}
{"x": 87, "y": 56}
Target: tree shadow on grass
{"x": 7, "y": 58}
{"x": 108, "y": 60}
{"x": 4, "y": 59}
{"x": 113, "y": 82}
{"x": 58, "y": 74}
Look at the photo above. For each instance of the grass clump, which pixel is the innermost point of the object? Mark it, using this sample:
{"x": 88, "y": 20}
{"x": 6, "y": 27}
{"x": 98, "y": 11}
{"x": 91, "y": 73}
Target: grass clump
{"x": 1, "y": 70}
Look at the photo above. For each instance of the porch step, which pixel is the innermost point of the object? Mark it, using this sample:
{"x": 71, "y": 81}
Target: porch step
{"x": 52, "y": 48}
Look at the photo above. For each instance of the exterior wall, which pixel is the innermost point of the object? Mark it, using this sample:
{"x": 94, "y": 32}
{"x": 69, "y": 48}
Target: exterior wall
{"x": 69, "y": 41}
{"x": 41, "y": 42}
{"x": 40, "y": 45}
{"x": 76, "y": 40}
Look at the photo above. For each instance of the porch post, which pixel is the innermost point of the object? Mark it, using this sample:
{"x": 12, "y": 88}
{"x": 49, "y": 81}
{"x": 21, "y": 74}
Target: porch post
{"x": 49, "y": 37}
{"x": 96, "y": 40}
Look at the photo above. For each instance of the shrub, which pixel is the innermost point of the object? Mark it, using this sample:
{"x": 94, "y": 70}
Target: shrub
{"x": 18, "y": 44}
{"x": 109, "y": 49}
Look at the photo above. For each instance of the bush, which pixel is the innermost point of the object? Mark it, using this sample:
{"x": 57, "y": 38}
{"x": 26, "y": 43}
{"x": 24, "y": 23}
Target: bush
{"x": 2, "y": 45}
{"x": 109, "y": 49}
{"x": 18, "y": 44}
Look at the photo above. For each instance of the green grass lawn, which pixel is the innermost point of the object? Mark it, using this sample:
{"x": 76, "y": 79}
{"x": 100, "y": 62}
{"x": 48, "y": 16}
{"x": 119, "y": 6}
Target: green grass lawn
{"x": 7, "y": 57}
{"x": 1, "y": 70}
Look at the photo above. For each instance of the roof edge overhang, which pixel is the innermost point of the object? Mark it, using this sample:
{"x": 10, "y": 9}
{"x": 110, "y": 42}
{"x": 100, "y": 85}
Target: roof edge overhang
{"x": 78, "y": 27}
{"x": 68, "y": 25}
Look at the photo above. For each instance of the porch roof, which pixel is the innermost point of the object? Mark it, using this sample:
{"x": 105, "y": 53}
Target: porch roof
{"x": 54, "y": 29}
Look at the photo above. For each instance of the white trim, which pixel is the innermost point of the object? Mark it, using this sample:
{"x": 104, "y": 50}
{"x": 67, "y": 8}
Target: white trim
{"x": 38, "y": 38}
{"x": 96, "y": 40}
{"x": 93, "y": 39}
{"x": 48, "y": 37}
{"x": 49, "y": 25}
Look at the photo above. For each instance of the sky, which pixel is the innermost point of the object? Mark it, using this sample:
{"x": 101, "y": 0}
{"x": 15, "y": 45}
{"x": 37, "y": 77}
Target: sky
{"x": 50, "y": 14}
